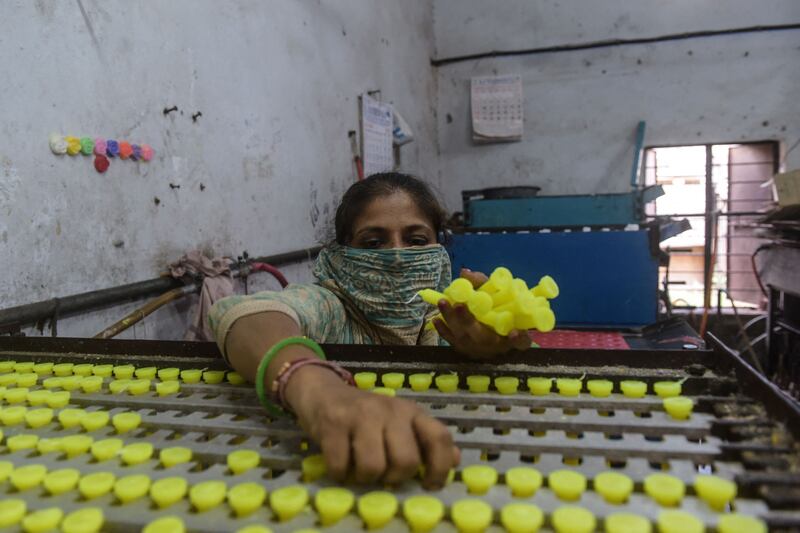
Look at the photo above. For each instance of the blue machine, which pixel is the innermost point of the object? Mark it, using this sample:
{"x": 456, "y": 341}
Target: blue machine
{"x": 607, "y": 278}
{"x": 607, "y": 269}
{"x": 482, "y": 210}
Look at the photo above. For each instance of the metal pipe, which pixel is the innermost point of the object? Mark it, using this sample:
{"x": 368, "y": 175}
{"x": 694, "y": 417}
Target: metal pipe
{"x": 138, "y": 315}
{"x": 23, "y": 315}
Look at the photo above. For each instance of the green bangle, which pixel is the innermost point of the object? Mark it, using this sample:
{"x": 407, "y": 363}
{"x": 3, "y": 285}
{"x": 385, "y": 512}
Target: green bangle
{"x": 269, "y": 405}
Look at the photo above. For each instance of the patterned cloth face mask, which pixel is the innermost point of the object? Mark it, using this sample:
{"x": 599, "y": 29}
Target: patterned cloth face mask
{"x": 382, "y": 284}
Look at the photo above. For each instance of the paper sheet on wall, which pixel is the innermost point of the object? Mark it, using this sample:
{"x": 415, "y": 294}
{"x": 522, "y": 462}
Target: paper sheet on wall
{"x": 496, "y": 108}
{"x": 376, "y": 140}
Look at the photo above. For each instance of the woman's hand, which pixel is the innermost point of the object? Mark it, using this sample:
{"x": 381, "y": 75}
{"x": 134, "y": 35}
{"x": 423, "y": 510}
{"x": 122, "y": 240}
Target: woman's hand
{"x": 372, "y": 437}
{"x": 470, "y": 337}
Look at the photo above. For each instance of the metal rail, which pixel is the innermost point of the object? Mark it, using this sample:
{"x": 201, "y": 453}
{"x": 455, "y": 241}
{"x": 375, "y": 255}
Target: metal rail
{"x": 23, "y": 315}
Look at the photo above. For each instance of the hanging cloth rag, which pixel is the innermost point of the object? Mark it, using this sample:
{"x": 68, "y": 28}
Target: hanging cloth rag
{"x": 217, "y": 284}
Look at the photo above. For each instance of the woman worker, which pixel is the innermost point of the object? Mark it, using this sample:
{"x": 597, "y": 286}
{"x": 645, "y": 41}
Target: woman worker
{"x": 385, "y": 251}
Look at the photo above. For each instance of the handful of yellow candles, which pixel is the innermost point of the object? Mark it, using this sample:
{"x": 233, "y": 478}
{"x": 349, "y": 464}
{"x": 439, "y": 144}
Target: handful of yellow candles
{"x": 503, "y": 303}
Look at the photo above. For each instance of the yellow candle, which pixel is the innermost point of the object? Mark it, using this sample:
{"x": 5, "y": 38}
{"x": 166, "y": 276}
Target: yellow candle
{"x": 420, "y": 382}
{"x": 667, "y": 389}
{"x": 96, "y": 484}
{"x": 523, "y": 481}
{"x": 471, "y": 515}
{"x": 63, "y": 369}
{"x": 633, "y": 389}
{"x": 393, "y": 380}
{"x": 287, "y": 502}
{"x": 313, "y": 468}
{"x": 84, "y": 520}
{"x": 59, "y": 399}
{"x": 600, "y": 388}
{"x": 627, "y": 523}
{"x": 136, "y": 453}
{"x": 365, "y": 380}
{"x": 124, "y": 371}
{"x": 37, "y": 418}
{"x": 521, "y": 518}
{"x": 146, "y": 372}
{"x": 715, "y": 491}
{"x": 739, "y": 523}
{"x": 246, "y": 498}
{"x": 42, "y": 520}
{"x": 567, "y": 484}
{"x": 95, "y": 420}
{"x": 213, "y": 377}
{"x": 168, "y": 490}
{"x": 447, "y": 382}
{"x": 665, "y": 489}
{"x": 479, "y": 478}
{"x": 333, "y": 504}
{"x": 191, "y": 376}
{"x": 105, "y": 449}
{"x": 168, "y": 374}
{"x": 207, "y": 495}
{"x": 103, "y": 371}
{"x": 423, "y": 513}
{"x": 573, "y": 519}
{"x": 166, "y": 524}
{"x": 506, "y": 384}
{"x": 75, "y": 445}
{"x": 166, "y": 388}
{"x": 234, "y": 378}
{"x": 540, "y": 386}
{"x": 83, "y": 369}
{"x": 240, "y": 461}
{"x": 377, "y": 508}
{"x": 478, "y": 384}
{"x": 678, "y": 522}
{"x": 27, "y": 477}
{"x": 124, "y": 422}
{"x": 613, "y": 487}
{"x": 174, "y": 455}
{"x": 60, "y": 481}
{"x": 569, "y": 386}
{"x": 678, "y": 407}
{"x": 12, "y": 510}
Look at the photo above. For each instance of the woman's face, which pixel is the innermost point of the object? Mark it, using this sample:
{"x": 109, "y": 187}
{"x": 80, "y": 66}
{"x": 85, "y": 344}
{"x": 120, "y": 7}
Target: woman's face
{"x": 392, "y": 221}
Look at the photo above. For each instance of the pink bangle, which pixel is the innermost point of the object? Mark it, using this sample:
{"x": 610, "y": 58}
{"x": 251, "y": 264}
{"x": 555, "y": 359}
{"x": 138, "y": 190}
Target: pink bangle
{"x": 278, "y": 389}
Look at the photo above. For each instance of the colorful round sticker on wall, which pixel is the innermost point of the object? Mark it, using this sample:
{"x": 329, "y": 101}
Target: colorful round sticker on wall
{"x": 103, "y": 149}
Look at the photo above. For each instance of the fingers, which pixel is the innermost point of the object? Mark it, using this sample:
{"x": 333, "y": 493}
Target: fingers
{"x": 438, "y": 450}
{"x": 444, "y": 331}
{"x": 369, "y": 453}
{"x": 476, "y": 278}
{"x": 335, "y": 445}
{"x": 519, "y": 339}
{"x": 402, "y": 453}
{"x": 458, "y": 317}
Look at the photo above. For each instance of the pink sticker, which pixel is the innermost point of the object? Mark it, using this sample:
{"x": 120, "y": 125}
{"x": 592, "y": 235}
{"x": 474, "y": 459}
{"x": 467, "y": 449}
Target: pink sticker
{"x": 100, "y": 146}
{"x": 147, "y": 152}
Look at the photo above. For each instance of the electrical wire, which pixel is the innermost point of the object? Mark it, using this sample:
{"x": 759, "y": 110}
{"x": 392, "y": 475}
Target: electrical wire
{"x": 615, "y": 42}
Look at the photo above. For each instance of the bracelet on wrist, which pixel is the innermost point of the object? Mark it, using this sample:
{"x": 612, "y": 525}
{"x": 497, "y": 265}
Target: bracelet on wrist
{"x": 271, "y": 407}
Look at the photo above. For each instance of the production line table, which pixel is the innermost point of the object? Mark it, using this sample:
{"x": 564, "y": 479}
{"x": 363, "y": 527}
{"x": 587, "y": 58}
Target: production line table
{"x": 742, "y": 429}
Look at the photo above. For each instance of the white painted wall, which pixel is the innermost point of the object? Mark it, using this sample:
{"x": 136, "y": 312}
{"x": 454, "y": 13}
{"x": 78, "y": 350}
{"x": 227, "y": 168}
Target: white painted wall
{"x": 277, "y": 85}
{"x": 582, "y": 107}
{"x": 277, "y": 82}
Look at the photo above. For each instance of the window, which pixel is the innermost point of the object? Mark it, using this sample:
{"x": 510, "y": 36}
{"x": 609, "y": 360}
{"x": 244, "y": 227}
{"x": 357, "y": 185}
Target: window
{"x": 724, "y": 190}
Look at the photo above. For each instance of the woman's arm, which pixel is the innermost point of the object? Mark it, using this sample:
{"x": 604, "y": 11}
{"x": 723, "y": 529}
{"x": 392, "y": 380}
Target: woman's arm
{"x": 369, "y": 436}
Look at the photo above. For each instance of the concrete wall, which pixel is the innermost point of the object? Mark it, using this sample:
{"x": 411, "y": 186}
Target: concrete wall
{"x": 261, "y": 169}
{"x": 581, "y": 108}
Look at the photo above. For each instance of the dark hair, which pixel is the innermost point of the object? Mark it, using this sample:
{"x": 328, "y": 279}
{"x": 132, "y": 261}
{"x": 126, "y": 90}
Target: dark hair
{"x": 362, "y": 192}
